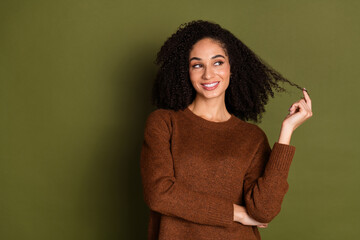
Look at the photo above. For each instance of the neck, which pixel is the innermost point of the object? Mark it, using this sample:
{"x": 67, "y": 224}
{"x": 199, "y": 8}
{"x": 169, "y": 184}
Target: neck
{"x": 210, "y": 109}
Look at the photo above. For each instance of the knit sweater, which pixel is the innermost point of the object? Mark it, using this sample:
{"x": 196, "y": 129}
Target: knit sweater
{"x": 193, "y": 170}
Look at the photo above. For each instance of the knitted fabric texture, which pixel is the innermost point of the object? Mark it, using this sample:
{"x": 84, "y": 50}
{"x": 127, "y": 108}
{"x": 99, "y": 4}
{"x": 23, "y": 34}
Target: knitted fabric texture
{"x": 194, "y": 170}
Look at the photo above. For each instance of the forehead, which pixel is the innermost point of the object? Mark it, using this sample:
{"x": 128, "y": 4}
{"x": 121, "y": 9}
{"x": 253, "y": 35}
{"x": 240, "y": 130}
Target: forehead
{"x": 207, "y": 47}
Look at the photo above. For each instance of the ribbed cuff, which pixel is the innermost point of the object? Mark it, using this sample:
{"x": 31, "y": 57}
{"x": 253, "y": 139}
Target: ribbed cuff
{"x": 221, "y": 214}
{"x": 281, "y": 157}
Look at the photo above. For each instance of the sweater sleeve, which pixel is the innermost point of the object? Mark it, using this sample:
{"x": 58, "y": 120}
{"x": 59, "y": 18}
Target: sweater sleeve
{"x": 265, "y": 183}
{"x": 163, "y": 193}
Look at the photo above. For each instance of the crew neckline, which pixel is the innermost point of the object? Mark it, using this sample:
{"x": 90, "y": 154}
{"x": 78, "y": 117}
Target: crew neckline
{"x": 210, "y": 124}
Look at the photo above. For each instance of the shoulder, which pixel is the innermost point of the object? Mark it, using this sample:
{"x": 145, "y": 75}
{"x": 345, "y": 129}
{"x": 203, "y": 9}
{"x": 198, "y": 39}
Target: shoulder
{"x": 251, "y": 129}
{"x": 254, "y": 134}
{"x": 159, "y": 115}
{"x": 160, "y": 119}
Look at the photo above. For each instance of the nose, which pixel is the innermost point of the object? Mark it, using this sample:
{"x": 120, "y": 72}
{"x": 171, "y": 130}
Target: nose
{"x": 208, "y": 73}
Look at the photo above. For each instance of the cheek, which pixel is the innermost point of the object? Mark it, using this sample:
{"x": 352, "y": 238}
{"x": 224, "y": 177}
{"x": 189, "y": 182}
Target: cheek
{"x": 224, "y": 73}
{"x": 194, "y": 76}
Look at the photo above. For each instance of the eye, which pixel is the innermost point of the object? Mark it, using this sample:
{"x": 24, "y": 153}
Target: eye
{"x": 218, "y": 63}
{"x": 197, "y": 65}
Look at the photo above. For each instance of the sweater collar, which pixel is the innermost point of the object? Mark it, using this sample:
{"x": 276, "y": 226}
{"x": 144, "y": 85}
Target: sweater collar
{"x": 231, "y": 122}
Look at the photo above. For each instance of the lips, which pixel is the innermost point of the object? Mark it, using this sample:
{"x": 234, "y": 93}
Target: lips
{"x": 210, "y": 86}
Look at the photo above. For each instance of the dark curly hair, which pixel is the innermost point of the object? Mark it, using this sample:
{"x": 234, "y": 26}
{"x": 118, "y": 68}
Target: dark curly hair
{"x": 251, "y": 81}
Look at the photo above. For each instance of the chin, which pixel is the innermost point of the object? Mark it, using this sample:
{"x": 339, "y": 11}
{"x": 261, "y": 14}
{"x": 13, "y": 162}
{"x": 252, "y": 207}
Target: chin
{"x": 209, "y": 95}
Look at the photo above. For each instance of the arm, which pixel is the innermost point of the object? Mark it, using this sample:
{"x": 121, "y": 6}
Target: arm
{"x": 265, "y": 183}
{"x": 264, "y": 191}
{"x": 163, "y": 193}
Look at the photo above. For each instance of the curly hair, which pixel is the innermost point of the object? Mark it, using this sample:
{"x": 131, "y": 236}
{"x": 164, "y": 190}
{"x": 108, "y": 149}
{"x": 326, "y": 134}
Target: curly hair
{"x": 251, "y": 81}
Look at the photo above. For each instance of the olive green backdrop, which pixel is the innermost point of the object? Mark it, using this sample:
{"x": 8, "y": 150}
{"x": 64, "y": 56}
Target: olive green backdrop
{"x": 74, "y": 96}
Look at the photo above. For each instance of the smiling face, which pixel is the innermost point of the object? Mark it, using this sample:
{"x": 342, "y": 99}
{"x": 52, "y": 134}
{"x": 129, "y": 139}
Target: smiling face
{"x": 209, "y": 69}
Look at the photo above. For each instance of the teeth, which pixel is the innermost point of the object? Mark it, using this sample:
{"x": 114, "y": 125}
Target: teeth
{"x": 211, "y": 85}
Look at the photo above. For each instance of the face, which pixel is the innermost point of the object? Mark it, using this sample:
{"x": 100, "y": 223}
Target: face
{"x": 209, "y": 69}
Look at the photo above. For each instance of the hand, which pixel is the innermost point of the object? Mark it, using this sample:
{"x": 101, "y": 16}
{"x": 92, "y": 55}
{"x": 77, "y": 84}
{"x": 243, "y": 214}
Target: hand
{"x": 241, "y": 216}
{"x": 299, "y": 112}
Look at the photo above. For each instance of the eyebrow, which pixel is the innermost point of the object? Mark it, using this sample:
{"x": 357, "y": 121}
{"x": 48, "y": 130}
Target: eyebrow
{"x": 216, "y": 56}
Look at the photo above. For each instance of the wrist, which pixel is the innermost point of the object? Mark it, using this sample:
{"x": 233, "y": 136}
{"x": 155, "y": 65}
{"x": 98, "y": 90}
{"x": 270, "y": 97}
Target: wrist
{"x": 239, "y": 213}
{"x": 287, "y": 127}
{"x": 285, "y": 134}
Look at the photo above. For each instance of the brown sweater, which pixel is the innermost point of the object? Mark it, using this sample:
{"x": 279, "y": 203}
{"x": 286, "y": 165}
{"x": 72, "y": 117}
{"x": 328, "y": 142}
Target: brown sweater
{"x": 193, "y": 170}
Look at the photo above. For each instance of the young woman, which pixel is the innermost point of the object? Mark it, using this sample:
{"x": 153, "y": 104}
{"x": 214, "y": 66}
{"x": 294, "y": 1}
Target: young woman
{"x": 206, "y": 172}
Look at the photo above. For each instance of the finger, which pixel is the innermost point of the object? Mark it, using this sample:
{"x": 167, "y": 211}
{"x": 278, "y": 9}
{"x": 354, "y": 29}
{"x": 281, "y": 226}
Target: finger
{"x": 307, "y": 98}
{"x": 305, "y": 108}
{"x": 294, "y": 107}
{"x": 300, "y": 105}
{"x": 304, "y": 105}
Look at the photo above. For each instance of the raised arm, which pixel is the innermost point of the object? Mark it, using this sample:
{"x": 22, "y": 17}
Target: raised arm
{"x": 163, "y": 193}
{"x": 266, "y": 181}
{"x": 299, "y": 112}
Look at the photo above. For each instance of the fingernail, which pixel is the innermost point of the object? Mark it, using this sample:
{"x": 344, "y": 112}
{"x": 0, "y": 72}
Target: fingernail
{"x": 306, "y": 91}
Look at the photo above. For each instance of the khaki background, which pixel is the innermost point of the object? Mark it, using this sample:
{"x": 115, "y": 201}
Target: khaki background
{"x": 74, "y": 95}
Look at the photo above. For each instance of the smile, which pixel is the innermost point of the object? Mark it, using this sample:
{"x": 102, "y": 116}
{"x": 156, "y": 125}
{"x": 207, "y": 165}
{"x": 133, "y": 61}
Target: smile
{"x": 210, "y": 86}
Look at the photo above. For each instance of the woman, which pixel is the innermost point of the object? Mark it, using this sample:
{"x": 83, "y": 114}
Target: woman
{"x": 206, "y": 172}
